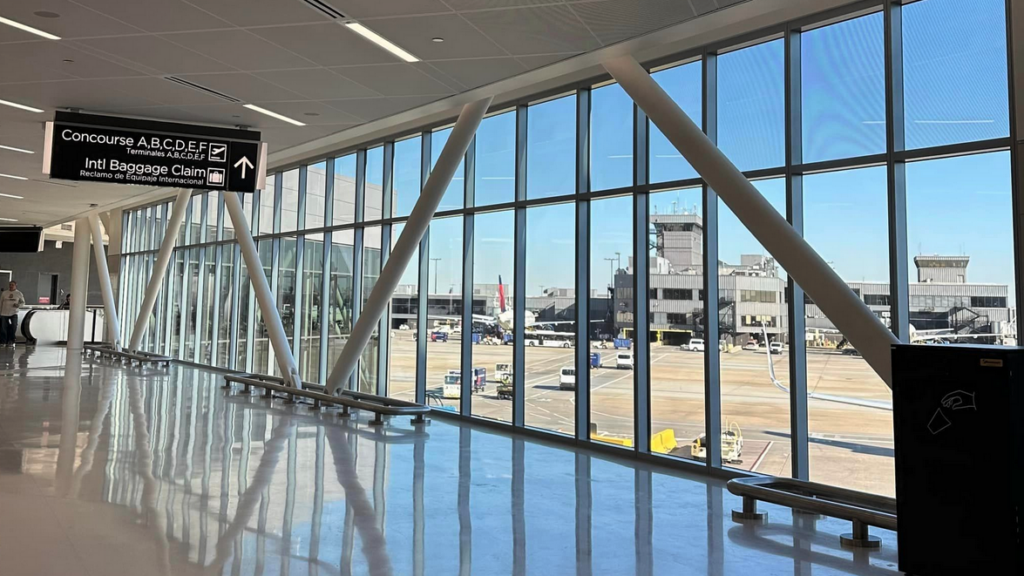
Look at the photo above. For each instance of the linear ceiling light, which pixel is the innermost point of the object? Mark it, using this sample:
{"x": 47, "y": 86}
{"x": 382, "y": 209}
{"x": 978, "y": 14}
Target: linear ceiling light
{"x": 28, "y": 29}
{"x": 12, "y": 177}
{"x": 13, "y": 149}
{"x": 273, "y": 114}
{"x": 7, "y": 220}
{"x": 21, "y": 106}
{"x": 381, "y": 41}
{"x": 12, "y": 196}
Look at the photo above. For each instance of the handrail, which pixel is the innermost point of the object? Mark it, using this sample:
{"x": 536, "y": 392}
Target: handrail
{"x": 376, "y": 404}
{"x": 859, "y": 507}
{"x": 139, "y": 355}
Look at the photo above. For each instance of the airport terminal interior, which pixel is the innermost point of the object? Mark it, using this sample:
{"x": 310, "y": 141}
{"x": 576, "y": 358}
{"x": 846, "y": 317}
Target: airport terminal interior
{"x": 507, "y": 286}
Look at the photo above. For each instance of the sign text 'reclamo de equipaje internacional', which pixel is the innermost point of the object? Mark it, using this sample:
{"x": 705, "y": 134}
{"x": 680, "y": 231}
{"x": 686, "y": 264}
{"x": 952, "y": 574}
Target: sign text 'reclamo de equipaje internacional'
{"x": 93, "y": 148}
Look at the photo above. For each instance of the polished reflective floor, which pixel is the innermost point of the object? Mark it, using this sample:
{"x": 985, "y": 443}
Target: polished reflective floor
{"x": 111, "y": 470}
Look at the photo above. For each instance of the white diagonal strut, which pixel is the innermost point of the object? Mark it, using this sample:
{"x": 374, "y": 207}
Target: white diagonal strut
{"x": 111, "y": 322}
{"x": 163, "y": 257}
{"x": 848, "y": 312}
{"x": 265, "y": 298}
{"x": 419, "y": 220}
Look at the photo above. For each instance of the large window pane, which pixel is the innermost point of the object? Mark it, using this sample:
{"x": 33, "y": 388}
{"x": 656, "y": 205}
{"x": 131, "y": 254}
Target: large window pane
{"x": 345, "y": 189}
{"x": 406, "y": 176}
{"x": 374, "y": 193}
{"x": 266, "y": 214}
{"x": 316, "y": 190}
{"x": 444, "y": 309}
{"x": 752, "y": 315}
{"x": 550, "y": 301}
{"x": 339, "y": 295}
{"x": 371, "y": 271}
{"x": 455, "y": 195}
{"x": 290, "y": 201}
{"x": 243, "y": 331}
{"x": 212, "y": 217}
{"x": 751, "y": 106}
{"x": 404, "y": 323}
{"x": 611, "y": 264}
{"x": 496, "y": 160}
{"x": 226, "y": 296}
{"x": 843, "y": 89}
{"x": 551, "y": 148}
{"x": 676, "y": 308}
{"x": 194, "y": 224}
{"x": 960, "y": 239}
{"x": 684, "y": 85}
{"x": 206, "y": 342}
{"x": 192, "y": 303}
{"x": 846, "y": 222}
{"x": 611, "y": 138}
{"x": 312, "y": 274}
{"x": 954, "y": 66}
{"x": 286, "y": 292}
{"x": 493, "y": 277}
{"x": 261, "y": 355}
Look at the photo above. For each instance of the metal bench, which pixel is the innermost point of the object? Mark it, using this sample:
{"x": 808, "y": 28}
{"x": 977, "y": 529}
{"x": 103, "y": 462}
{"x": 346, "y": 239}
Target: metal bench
{"x": 378, "y": 405}
{"x": 102, "y": 351}
{"x": 858, "y": 507}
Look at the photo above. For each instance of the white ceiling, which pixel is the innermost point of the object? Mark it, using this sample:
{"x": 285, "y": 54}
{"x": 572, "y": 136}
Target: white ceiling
{"x": 279, "y": 54}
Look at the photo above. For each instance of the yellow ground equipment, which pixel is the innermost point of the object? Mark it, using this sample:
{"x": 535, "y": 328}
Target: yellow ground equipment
{"x": 732, "y": 444}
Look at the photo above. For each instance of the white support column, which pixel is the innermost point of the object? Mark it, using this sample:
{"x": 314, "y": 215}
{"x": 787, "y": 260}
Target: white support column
{"x": 79, "y": 286}
{"x": 453, "y": 153}
{"x": 848, "y": 312}
{"x": 111, "y": 320}
{"x": 163, "y": 257}
{"x": 268, "y": 306}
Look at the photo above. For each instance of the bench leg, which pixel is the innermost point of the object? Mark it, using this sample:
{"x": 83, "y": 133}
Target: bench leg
{"x": 749, "y": 512}
{"x": 420, "y": 419}
{"x": 860, "y": 538}
{"x": 378, "y": 420}
{"x": 344, "y": 412}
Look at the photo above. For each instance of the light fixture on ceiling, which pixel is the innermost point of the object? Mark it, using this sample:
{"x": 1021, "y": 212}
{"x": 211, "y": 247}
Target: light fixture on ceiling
{"x": 28, "y": 28}
{"x": 381, "y": 41}
{"x": 437, "y": 39}
{"x": 20, "y": 106}
{"x": 8, "y": 220}
{"x": 12, "y": 176}
{"x": 273, "y": 114}
{"x": 12, "y": 196}
{"x": 46, "y": 14}
{"x": 13, "y": 149}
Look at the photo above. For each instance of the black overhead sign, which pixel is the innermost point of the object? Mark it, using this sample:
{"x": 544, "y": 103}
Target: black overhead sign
{"x": 148, "y": 153}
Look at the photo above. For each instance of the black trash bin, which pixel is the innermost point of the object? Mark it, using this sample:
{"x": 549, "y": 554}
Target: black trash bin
{"x": 959, "y": 429}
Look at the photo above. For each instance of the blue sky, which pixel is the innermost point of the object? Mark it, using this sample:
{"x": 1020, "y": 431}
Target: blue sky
{"x": 955, "y": 91}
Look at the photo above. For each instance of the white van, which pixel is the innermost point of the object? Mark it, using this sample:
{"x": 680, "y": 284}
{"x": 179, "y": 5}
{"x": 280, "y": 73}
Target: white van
{"x": 567, "y": 378}
{"x": 694, "y": 345}
{"x": 624, "y": 360}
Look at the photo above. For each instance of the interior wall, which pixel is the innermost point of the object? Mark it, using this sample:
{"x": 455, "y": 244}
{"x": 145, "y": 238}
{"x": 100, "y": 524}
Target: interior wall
{"x": 26, "y": 268}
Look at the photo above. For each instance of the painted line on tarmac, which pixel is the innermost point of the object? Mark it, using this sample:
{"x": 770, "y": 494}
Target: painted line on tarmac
{"x": 761, "y": 457}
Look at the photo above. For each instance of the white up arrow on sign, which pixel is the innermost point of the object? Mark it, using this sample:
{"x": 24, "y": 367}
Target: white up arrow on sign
{"x": 244, "y": 162}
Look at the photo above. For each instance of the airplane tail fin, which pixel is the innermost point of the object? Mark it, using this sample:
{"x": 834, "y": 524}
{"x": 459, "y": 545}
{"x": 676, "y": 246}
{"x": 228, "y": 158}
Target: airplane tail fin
{"x": 501, "y": 295}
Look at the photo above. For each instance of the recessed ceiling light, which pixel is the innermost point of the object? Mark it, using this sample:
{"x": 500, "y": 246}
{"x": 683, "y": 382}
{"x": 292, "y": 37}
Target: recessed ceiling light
{"x": 437, "y": 39}
{"x": 273, "y": 114}
{"x": 310, "y": 113}
{"x": 13, "y": 149}
{"x": 8, "y": 220}
{"x": 21, "y": 106}
{"x": 68, "y": 61}
{"x": 12, "y": 176}
{"x": 12, "y": 196}
{"x": 45, "y": 14}
{"x": 381, "y": 41}
{"x": 28, "y": 29}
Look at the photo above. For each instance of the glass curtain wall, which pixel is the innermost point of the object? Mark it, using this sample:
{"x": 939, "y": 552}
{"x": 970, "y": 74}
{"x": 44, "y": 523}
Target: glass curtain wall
{"x": 721, "y": 367}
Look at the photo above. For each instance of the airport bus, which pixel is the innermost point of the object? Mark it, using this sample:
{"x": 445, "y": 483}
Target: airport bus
{"x": 550, "y": 339}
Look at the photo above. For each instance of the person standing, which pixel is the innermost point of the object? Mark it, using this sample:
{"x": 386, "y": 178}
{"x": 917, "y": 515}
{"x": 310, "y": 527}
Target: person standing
{"x": 11, "y": 300}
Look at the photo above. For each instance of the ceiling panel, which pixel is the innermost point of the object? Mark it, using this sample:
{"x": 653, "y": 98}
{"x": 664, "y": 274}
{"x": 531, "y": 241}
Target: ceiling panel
{"x": 73, "y": 21}
{"x": 329, "y": 44}
{"x": 317, "y": 83}
{"x": 243, "y": 86}
{"x": 245, "y": 13}
{"x": 286, "y": 136}
{"x": 616, "y": 20}
{"x": 535, "y": 30}
{"x": 541, "y": 60}
{"x": 373, "y": 108}
{"x": 92, "y": 95}
{"x": 488, "y": 4}
{"x": 381, "y": 8}
{"x": 478, "y": 72}
{"x": 161, "y": 91}
{"x": 156, "y": 53}
{"x": 312, "y": 113}
{"x": 157, "y": 15}
{"x": 59, "y": 56}
{"x": 395, "y": 80}
{"x": 240, "y": 49}
{"x": 416, "y": 35}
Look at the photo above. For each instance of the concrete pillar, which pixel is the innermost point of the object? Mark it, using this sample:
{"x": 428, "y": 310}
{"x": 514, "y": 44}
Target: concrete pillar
{"x": 163, "y": 257}
{"x": 415, "y": 228}
{"x": 111, "y": 320}
{"x": 264, "y": 296}
{"x": 846, "y": 310}
{"x": 79, "y": 286}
